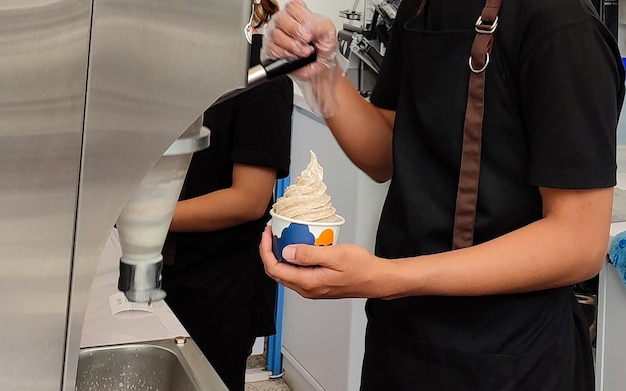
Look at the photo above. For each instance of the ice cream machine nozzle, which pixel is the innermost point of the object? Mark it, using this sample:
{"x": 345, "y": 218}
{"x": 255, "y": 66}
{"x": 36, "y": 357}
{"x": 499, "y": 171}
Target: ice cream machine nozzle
{"x": 144, "y": 221}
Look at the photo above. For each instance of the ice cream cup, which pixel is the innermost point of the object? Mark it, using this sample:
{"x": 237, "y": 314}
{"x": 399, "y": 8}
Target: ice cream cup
{"x": 287, "y": 231}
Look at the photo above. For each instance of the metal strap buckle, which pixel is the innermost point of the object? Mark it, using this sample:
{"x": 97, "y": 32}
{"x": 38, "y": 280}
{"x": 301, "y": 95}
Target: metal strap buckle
{"x": 486, "y": 28}
{"x": 481, "y": 69}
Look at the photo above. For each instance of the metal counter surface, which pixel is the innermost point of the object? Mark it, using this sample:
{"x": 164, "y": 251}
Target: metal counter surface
{"x": 102, "y": 328}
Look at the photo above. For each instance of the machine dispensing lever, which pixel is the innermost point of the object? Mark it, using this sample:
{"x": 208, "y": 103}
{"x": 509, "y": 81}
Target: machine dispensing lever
{"x": 264, "y": 72}
{"x": 261, "y": 73}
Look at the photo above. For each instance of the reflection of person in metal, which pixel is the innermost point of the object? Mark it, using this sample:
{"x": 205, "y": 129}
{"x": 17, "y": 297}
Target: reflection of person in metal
{"x": 213, "y": 274}
{"x": 470, "y": 295}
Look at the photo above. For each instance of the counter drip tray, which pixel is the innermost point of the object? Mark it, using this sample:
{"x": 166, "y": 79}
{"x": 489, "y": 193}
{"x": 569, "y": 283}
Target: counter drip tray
{"x": 163, "y": 365}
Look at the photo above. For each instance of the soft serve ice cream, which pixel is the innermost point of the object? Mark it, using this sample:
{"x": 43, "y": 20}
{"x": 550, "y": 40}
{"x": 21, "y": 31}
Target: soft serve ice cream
{"x": 304, "y": 214}
{"x": 306, "y": 199}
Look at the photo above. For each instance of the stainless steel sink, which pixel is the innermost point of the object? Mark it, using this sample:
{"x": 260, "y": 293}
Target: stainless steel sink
{"x": 164, "y": 365}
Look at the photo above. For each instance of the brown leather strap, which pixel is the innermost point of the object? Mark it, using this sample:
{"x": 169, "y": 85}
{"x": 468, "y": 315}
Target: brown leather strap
{"x": 467, "y": 193}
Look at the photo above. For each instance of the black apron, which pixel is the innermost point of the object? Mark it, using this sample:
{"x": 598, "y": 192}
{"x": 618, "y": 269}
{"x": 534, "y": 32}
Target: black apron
{"x": 531, "y": 341}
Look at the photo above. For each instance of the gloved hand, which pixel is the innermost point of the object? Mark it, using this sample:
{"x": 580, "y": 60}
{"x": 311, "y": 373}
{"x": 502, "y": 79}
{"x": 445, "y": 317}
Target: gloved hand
{"x": 290, "y": 34}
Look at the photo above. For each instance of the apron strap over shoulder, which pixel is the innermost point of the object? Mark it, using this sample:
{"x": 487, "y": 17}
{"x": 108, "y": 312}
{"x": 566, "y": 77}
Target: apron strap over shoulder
{"x": 467, "y": 193}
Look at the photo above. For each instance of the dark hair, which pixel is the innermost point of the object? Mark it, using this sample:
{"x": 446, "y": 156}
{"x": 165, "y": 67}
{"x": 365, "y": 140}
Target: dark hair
{"x": 263, "y": 11}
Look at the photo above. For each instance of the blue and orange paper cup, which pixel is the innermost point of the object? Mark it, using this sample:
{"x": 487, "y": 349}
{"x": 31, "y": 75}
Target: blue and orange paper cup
{"x": 286, "y": 231}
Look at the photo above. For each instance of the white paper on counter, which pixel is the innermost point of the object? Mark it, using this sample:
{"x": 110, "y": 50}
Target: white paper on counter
{"x": 118, "y": 302}
{"x": 102, "y": 328}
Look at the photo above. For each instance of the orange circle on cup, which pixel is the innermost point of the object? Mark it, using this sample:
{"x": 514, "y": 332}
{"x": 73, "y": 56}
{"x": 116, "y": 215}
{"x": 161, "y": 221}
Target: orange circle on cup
{"x": 326, "y": 238}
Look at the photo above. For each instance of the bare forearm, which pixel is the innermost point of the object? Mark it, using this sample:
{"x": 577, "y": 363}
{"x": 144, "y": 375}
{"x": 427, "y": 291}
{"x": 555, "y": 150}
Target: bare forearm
{"x": 566, "y": 246}
{"x": 549, "y": 253}
{"x": 363, "y": 132}
{"x": 246, "y": 200}
{"x": 212, "y": 212}
{"x": 526, "y": 260}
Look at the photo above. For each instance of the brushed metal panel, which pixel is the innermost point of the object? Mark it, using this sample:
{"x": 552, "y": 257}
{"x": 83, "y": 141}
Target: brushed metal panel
{"x": 43, "y": 63}
{"x": 92, "y": 93}
{"x": 154, "y": 67}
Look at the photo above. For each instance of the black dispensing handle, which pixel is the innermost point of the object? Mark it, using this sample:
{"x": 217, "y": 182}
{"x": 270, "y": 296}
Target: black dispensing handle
{"x": 285, "y": 66}
{"x": 261, "y": 73}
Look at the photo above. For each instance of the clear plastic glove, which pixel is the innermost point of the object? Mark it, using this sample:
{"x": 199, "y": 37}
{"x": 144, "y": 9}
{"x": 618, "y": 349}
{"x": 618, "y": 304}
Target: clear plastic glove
{"x": 290, "y": 34}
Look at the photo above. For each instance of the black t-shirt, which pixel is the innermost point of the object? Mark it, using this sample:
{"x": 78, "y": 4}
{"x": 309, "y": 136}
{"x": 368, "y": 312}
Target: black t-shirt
{"x": 553, "y": 93}
{"x": 220, "y": 273}
{"x": 554, "y": 89}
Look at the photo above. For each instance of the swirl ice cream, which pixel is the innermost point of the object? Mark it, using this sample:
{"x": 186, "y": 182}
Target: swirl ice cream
{"x": 304, "y": 214}
{"x": 306, "y": 199}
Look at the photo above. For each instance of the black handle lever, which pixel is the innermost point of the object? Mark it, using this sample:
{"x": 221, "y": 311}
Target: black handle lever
{"x": 285, "y": 66}
{"x": 261, "y": 73}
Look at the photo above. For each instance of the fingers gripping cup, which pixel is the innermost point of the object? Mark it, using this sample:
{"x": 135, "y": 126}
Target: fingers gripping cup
{"x": 305, "y": 214}
{"x": 286, "y": 231}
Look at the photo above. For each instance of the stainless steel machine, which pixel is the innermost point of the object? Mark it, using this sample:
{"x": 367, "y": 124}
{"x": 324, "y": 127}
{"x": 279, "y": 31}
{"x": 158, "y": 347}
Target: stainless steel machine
{"x": 93, "y": 92}
{"x": 363, "y": 40}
